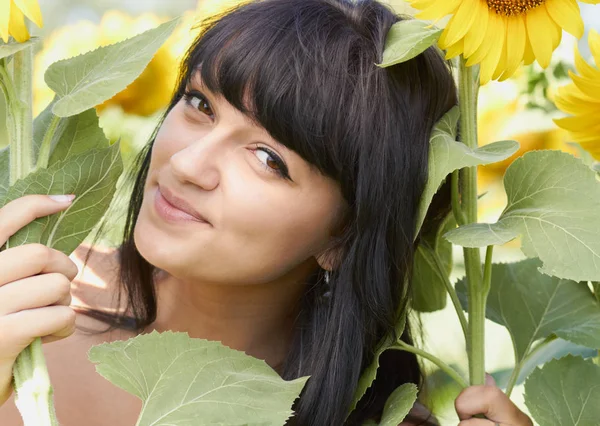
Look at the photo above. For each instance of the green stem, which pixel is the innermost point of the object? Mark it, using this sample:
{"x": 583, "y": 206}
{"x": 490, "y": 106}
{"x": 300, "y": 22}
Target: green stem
{"x": 468, "y": 89}
{"x": 459, "y": 215}
{"x": 44, "y": 154}
{"x": 20, "y": 116}
{"x": 519, "y": 365}
{"x": 34, "y": 394}
{"x": 450, "y": 288}
{"x": 441, "y": 364}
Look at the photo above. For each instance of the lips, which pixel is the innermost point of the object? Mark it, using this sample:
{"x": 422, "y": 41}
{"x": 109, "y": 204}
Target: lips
{"x": 180, "y": 204}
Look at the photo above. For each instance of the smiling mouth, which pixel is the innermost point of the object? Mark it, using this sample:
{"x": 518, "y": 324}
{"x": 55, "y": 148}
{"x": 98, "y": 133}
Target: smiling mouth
{"x": 170, "y": 213}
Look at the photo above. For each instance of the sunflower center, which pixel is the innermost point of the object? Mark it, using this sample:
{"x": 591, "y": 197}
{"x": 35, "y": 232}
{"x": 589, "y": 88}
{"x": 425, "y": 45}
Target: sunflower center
{"x": 513, "y": 7}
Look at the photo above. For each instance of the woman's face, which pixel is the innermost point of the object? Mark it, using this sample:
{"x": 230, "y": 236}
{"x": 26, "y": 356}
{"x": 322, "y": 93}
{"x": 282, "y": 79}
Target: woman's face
{"x": 262, "y": 224}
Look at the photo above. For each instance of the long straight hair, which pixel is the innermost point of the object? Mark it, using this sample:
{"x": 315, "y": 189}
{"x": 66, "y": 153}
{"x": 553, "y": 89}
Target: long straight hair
{"x": 305, "y": 71}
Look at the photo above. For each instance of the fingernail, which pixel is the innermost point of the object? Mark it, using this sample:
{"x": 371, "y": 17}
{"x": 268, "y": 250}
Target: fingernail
{"x": 62, "y": 198}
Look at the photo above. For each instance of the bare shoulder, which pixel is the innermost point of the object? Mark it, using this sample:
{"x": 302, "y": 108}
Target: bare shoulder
{"x": 97, "y": 279}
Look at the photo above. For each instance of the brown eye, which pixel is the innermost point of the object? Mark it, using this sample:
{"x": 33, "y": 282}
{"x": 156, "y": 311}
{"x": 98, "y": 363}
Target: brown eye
{"x": 196, "y": 100}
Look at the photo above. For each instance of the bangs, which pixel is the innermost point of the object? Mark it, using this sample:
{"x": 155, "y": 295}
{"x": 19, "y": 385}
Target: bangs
{"x": 287, "y": 68}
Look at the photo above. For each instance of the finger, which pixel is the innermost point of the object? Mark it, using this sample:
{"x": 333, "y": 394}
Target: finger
{"x": 492, "y": 403}
{"x": 20, "y": 212}
{"x": 489, "y": 380}
{"x": 32, "y": 259}
{"x": 35, "y": 292}
{"x": 478, "y": 422}
{"x": 18, "y": 330}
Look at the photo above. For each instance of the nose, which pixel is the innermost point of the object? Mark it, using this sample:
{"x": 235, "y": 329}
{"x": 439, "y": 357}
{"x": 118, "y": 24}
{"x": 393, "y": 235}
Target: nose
{"x": 200, "y": 162}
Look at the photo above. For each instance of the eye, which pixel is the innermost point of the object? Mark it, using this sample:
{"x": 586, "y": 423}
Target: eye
{"x": 197, "y": 100}
{"x": 272, "y": 162}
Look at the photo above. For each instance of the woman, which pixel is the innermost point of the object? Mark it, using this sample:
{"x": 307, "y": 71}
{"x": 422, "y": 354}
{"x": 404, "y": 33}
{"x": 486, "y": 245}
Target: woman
{"x": 300, "y": 165}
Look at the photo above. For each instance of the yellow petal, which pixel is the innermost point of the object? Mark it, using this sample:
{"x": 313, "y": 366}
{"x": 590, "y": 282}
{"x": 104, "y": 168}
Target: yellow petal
{"x": 528, "y": 56}
{"x": 455, "y": 50}
{"x": 594, "y": 42}
{"x": 475, "y": 36}
{"x": 516, "y": 38}
{"x": 583, "y": 68}
{"x": 497, "y": 34}
{"x": 439, "y": 9}
{"x": 555, "y": 35}
{"x": 579, "y": 122}
{"x": 421, "y": 4}
{"x": 590, "y": 1}
{"x": 502, "y": 60}
{"x": 16, "y": 25}
{"x": 588, "y": 86}
{"x": 569, "y": 99}
{"x": 4, "y": 19}
{"x": 593, "y": 148}
{"x": 538, "y": 26}
{"x": 461, "y": 22}
{"x": 31, "y": 9}
{"x": 567, "y": 15}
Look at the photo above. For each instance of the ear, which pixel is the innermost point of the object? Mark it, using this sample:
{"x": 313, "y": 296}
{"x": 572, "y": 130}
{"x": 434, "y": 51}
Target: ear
{"x": 330, "y": 259}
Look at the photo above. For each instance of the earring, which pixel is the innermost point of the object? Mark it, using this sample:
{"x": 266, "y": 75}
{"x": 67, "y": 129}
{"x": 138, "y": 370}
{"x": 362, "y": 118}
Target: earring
{"x": 327, "y": 277}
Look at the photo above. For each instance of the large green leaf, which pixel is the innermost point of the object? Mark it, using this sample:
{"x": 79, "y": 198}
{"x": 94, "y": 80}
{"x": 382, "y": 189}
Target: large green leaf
{"x": 554, "y": 204}
{"x": 9, "y": 49}
{"x": 407, "y": 39}
{"x": 533, "y": 306}
{"x": 398, "y": 405}
{"x": 555, "y": 349}
{"x": 195, "y": 382}
{"x": 91, "y": 176}
{"x": 94, "y": 77}
{"x": 565, "y": 392}
{"x": 370, "y": 373}
{"x": 428, "y": 289}
{"x": 447, "y": 155}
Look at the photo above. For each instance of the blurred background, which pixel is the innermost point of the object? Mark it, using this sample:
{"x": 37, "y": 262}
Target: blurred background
{"x": 520, "y": 108}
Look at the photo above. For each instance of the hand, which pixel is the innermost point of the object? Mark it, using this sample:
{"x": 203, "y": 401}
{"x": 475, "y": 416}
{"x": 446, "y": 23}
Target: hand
{"x": 490, "y": 401}
{"x": 35, "y": 286}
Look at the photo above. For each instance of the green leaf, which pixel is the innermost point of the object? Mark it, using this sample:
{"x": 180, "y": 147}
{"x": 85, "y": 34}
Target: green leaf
{"x": 428, "y": 287}
{"x": 94, "y": 77}
{"x": 407, "y": 39}
{"x": 556, "y": 349}
{"x": 398, "y": 405}
{"x": 370, "y": 373}
{"x": 564, "y": 392}
{"x": 195, "y": 382}
{"x": 447, "y": 155}
{"x": 533, "y": 306}
{"x": 474, "y": 234}
{"x": 73, "y": 136}
{"x": 9, "y": 49}
{"x": 92, "y": 176}
{"x": 585, "y": 156}
{"x": 554, "y": 204}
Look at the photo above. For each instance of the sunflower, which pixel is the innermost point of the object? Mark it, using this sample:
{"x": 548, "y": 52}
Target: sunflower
{"x": 501, "y": 34}
{"x": 12, "y": 21}
{"x": 581, "y": 99}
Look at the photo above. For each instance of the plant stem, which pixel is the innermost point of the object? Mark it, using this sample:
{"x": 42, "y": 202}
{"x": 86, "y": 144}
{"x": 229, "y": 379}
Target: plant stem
{"x": 32, "y": 387}
{"x": 468, "y": 90}
{"x": 441, "y": 364}
{"x": 19, "y": 114}
{"x": 519, "y": 364}
{"x": 450, "y": 288}
{"x": 459, "y": 215}
{"x": 34, "y": 394}
{"x": 44, "y": 154}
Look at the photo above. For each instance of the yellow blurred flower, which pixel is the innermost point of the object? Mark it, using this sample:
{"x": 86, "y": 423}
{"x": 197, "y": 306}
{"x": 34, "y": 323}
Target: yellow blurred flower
{"x": 12, "y": 21}
{"x": 581, "y": 99}
{"x": 208, "y": 8}
{"x": 151, "y": 91}
{"x": 501, "y": 34}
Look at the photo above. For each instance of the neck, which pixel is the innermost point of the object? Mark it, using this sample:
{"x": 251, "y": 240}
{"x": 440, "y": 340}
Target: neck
{"x": 256, "y": 319}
